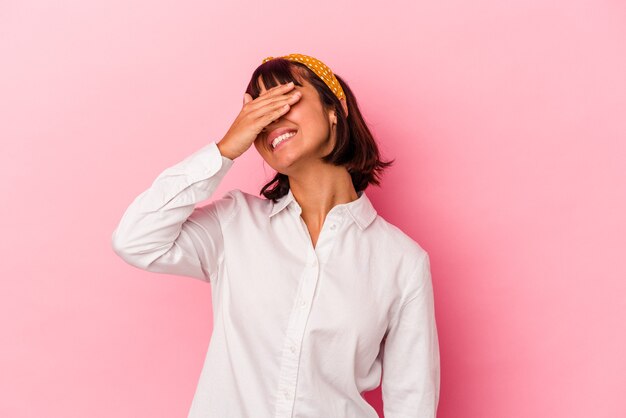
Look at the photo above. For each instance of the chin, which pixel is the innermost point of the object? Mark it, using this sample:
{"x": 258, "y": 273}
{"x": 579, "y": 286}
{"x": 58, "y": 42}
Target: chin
{"x": 287, "y": 160}
{"x": 284, "y": 162}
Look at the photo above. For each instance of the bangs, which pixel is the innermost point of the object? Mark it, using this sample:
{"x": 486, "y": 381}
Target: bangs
{"x": 274, "y": 72}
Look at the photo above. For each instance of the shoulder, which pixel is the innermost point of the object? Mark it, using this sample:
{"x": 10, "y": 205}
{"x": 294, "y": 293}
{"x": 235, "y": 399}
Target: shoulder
{"x": 248, "y": 199}
{"x": 408, "y": 257}
{"x": 241, "y": 203}
{"x": 398, "y": 241}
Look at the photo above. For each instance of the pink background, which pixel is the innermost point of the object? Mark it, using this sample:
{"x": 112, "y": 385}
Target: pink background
{"x": 508, "y": 123}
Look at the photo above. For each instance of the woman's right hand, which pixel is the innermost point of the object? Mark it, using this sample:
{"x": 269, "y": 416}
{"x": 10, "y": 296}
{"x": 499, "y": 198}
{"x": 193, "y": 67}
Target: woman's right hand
{"x": 254, "y": 116}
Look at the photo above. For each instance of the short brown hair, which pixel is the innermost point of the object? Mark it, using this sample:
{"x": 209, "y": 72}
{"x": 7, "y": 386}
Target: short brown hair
{"x": 355, "y": 146}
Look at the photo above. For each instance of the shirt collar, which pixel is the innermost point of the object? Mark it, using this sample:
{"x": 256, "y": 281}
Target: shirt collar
{"x": 361, "y": 209}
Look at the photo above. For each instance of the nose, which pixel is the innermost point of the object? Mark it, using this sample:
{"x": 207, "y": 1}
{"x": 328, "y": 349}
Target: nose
{"x": 268, "y": 128}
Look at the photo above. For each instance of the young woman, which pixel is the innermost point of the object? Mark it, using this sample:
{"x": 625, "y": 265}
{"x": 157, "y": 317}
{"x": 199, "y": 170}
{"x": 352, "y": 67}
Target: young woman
{"x": 315, "y": 296}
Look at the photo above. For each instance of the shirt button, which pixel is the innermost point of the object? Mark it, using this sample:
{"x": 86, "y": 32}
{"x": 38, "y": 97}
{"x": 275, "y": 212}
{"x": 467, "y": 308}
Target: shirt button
{"x": 303, "y": 303}
{"x": 286, "y": 394}
{"x": 333, "y": 226}
{"x": 293, "y": 349}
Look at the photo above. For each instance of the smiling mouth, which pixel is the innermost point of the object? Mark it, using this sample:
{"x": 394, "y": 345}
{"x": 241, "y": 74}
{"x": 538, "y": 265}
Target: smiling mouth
{"x": 280, "y": 140}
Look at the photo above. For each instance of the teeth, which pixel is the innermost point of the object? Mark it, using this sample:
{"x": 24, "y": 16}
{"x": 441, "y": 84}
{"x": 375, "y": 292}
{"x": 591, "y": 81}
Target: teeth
{"x": 281, "y": 138}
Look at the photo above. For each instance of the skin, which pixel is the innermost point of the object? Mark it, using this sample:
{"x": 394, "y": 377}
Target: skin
{"x": 316, "y": 186}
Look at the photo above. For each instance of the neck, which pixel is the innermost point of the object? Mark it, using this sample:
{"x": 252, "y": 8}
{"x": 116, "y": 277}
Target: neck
{"x": 318, "y": 191}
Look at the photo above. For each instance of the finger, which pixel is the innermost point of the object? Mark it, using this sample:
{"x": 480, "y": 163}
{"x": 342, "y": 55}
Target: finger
{"x": 272, "y": 116}
{"x": 278, "y": 87}
{"x": 277, "y": 90}
{"x": 270, "y": 103}
{"x": 271, "y": 106}
{"x": 277, "y": 112}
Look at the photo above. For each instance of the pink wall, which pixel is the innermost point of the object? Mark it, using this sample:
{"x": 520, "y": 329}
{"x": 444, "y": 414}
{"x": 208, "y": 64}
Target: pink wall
{"x": 508, "y": 122}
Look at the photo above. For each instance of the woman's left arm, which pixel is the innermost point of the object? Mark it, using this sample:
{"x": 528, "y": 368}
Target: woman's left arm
{"x": 411, "y": 369}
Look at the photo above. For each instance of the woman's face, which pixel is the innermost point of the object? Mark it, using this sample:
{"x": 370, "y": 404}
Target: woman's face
{"x": 315, "y": 136}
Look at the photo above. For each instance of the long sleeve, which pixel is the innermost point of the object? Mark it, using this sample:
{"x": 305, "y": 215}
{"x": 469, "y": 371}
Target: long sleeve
{"x": 411, "y": 367}
{"x": 163, "y": 231}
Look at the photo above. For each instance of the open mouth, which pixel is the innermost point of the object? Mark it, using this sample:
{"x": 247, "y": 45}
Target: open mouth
{"x": 280, "y": 140}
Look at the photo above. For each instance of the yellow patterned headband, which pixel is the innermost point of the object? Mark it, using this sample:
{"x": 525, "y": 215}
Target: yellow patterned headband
{"x": 319, "y": 68}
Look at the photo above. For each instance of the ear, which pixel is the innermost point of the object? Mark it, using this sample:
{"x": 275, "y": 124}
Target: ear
{"x": 345, "y": 109}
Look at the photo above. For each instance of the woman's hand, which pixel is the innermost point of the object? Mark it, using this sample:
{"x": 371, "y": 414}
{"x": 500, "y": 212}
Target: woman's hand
{"x": 254, "y": 116}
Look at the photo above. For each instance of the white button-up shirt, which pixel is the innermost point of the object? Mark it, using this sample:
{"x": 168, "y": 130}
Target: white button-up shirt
{"x": 299, "y": 331}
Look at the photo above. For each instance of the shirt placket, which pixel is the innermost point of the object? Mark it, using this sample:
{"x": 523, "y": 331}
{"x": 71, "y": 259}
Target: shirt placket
{"x": 290, "y": 359}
